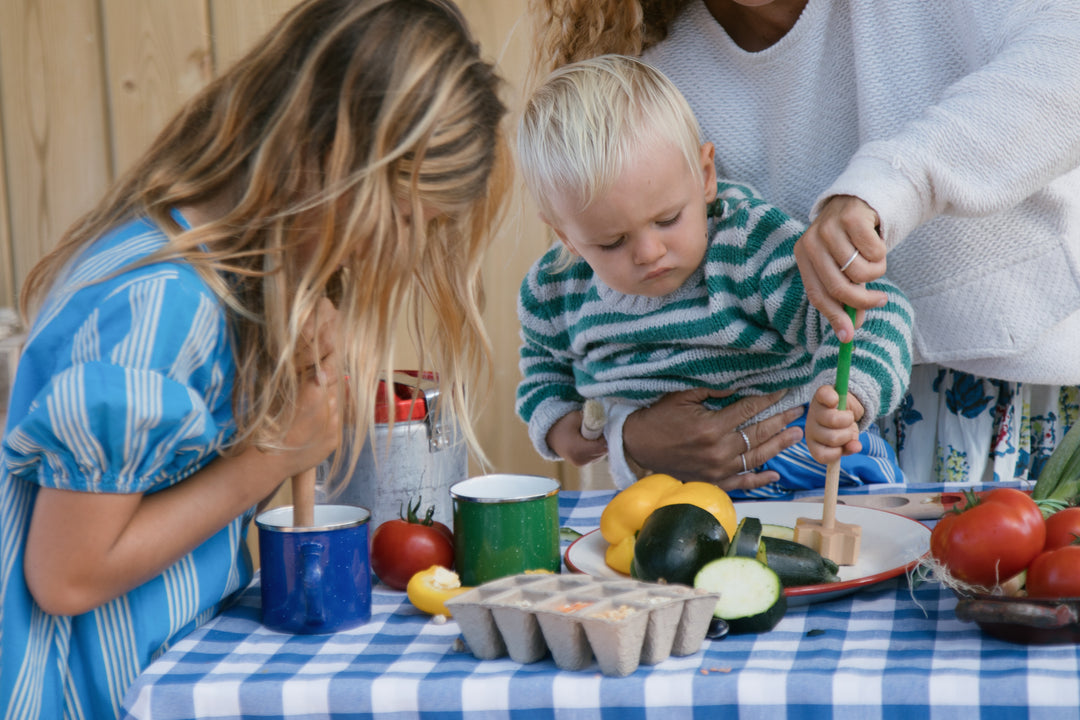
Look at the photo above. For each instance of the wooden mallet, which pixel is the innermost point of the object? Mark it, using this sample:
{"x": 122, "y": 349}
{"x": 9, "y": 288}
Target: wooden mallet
{"x": 834, "y": 540}
{"x": 303, "y": 497}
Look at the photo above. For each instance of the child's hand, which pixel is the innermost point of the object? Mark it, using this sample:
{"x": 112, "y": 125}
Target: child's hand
{"x": 317, "y": 425}
{"x": 566, "y": 441}
{"x": 830, "y": 432}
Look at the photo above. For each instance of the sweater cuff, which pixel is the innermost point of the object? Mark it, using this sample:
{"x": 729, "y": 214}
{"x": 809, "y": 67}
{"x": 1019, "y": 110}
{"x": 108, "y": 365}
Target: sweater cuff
{"x": 885, "y": 188}
{"x": 621, "y": 472}
{"x": 543, "y": 418}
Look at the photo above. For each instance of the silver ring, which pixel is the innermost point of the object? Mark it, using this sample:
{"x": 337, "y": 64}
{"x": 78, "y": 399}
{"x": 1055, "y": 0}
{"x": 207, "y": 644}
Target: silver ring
{"x": 851, "y": 259}
{"x": 745, "y": 440}
{"x": 743, "y": 458}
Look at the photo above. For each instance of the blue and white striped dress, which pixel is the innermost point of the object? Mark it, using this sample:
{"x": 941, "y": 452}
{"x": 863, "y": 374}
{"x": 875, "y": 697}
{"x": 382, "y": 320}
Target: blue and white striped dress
{"x": 123, "y": 387}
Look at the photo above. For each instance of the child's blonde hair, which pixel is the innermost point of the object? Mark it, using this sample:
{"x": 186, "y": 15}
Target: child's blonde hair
{"x": 587, "y": 121}
{"x": 348, "y": 123}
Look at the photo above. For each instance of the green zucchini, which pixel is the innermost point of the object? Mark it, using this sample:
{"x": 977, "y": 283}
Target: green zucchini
{"x": 747, "y": 540}
{"x": 778, "y": 531}
{"x": 752, "y": 597}
{"x": 675, "y": 542}
{"x": 797, "y": 564}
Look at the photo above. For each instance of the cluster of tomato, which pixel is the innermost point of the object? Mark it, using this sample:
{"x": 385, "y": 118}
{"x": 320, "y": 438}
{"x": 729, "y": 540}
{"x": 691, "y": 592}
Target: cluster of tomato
{"x": 1002, "y": 533}
{"x": 417, "y": 555}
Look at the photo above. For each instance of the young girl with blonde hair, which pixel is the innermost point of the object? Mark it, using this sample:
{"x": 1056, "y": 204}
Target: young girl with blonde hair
{"x": 211, "y": 327}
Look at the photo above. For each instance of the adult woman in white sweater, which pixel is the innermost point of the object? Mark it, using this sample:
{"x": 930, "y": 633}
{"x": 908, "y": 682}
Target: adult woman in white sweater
{"x": 940, "y": 137}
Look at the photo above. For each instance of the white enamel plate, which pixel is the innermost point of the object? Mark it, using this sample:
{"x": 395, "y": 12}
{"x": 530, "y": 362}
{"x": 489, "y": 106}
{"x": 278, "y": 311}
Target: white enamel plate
{"x": 891, "y": 544}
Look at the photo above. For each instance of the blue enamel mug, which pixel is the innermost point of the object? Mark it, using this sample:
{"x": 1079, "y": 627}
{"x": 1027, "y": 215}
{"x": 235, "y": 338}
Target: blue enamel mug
{"x": 315, "y": 579}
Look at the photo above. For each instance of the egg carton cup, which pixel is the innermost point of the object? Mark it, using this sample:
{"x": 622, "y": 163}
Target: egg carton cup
{"x": 621, "y": 623}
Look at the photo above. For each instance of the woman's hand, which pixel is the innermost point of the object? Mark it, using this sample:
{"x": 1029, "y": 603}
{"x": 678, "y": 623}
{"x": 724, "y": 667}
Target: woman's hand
{"x": 565, "y": 440}
{"x": 831, "y": 432}
{"x": 681, "y": 437}
{"x": 832, "y": 273}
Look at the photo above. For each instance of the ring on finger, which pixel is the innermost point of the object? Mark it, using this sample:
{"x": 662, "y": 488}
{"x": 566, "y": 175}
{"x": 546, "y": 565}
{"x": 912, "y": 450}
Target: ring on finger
{"x": 742, "y": 456}
{"x": 851, "y": 259}
{"x": 745, "y": 440}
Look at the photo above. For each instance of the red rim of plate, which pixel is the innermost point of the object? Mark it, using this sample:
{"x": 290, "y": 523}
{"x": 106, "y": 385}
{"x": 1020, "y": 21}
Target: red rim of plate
{"x": 798, "y": 590}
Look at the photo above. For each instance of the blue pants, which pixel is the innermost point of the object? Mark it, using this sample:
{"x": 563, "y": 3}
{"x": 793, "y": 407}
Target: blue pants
{"x": 876, "y": 463}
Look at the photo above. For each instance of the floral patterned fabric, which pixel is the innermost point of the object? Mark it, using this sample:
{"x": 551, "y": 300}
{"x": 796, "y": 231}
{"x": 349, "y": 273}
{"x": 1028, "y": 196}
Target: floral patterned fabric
{"x": 956, "y": 427}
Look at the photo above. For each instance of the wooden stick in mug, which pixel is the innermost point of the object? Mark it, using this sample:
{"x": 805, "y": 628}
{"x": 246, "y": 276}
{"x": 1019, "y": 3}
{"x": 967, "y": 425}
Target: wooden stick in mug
{"x": 303, "y": 495}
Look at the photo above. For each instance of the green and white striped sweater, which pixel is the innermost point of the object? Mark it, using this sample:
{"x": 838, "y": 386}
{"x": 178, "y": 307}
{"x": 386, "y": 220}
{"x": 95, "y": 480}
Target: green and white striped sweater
{"x": 742, "y": 322}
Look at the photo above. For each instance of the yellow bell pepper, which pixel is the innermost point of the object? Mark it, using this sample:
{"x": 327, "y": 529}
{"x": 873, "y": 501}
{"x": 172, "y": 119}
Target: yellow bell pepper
{"x": 620, "y": 555}
{"x": 626, "y": 513}
{"x": 707, "y": 497}
{"x": 429, "y": 589}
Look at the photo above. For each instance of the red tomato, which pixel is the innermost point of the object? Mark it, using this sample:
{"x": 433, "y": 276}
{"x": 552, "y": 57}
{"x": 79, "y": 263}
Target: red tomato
{"x": 991, "y": 540}
{"x": 403, "y": 547}
{"x": 1055, "y": 574}
{"x": 1062, "y": 528}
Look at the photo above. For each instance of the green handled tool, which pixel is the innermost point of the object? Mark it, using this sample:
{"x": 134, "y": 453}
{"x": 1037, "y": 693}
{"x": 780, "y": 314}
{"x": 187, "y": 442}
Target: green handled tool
{"x": 838, "y": 542}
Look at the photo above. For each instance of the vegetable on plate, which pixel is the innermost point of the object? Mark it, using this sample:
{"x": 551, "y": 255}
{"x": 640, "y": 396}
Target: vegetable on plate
{"x": 752, "y": 597}
{"x": 675, "y": 542}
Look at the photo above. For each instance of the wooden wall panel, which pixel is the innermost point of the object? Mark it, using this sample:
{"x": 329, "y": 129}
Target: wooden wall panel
{"x": 53, "y": 112}
{"x": 237, "y": 24}
{"x": 157, "y": 56}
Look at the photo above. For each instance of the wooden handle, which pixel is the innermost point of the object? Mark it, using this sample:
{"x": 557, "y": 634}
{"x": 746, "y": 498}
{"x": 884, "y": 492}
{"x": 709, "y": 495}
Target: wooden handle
{"x": 832, "y": 490}
{"x": 303, "y": 497}
{"x": 832, "y": 471}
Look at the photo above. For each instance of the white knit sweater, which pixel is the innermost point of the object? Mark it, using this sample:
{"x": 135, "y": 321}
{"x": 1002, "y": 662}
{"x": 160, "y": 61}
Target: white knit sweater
{"x": 958, "y": 121}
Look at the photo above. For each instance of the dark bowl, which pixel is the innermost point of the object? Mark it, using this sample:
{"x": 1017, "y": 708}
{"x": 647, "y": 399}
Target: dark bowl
{"x": 1029, "y": 621}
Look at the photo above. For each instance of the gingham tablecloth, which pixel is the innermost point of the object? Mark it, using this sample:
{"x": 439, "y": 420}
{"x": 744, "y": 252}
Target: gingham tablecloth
{"x": 883, "y": 652}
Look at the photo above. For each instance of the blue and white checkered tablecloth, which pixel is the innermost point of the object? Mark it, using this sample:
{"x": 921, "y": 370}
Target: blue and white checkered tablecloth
{"x": 883, "y": 652}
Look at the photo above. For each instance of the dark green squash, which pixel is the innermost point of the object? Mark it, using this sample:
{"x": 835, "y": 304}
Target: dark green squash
{"x": 752, "y": 597}
{"x": 675, "y": 542}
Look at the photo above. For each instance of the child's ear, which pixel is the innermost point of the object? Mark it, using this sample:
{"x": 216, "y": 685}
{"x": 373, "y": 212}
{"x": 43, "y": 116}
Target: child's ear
{"x": 708, "y": 170}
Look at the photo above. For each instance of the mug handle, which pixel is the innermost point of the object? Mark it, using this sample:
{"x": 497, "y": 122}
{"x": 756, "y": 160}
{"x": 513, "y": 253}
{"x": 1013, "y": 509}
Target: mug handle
{"x": 311, "y": 579}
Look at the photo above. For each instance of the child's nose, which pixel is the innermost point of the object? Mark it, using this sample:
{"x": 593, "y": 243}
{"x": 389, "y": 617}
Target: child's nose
{"x": 649, "y": 248}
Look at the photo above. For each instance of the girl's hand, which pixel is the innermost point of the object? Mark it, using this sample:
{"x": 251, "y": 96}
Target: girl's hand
{"x": 566, "y": 441}
{"x": 830, "y": 432}
{"x": 681, "y": 437}
{"x": 845, "y": 225}
{"x": 317, "y": 424}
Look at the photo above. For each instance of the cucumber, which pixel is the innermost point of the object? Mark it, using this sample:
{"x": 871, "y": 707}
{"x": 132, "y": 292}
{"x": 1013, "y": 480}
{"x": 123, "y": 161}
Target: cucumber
{"x": 797, "y": 564}
{"x": 751, "y": 595}
{"x": 778, "y": 531}
{"x": 747, "y": 540}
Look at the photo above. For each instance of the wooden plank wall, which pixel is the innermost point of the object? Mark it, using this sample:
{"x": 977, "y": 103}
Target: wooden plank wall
{"x": 85, "y": 85}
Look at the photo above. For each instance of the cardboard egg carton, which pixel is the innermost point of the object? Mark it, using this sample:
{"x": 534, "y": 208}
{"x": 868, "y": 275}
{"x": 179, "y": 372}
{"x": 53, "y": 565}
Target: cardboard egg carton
{"x": 620, "y": 622}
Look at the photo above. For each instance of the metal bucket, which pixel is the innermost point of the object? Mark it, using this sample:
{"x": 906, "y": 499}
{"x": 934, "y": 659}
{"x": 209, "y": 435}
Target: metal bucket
{"x": 418, "y": 458}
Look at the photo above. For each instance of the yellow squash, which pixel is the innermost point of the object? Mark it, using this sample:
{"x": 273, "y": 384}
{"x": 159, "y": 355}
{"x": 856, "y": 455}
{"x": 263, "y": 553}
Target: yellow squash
{"x": 429, "y": 589}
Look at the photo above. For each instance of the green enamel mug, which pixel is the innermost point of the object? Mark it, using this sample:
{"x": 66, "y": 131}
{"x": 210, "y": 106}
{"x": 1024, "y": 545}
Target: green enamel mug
{"x": 504, "y": 525}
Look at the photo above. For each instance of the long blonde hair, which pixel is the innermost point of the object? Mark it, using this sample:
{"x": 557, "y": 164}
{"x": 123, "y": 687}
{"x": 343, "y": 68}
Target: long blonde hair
{"x": 348, "y": 123}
